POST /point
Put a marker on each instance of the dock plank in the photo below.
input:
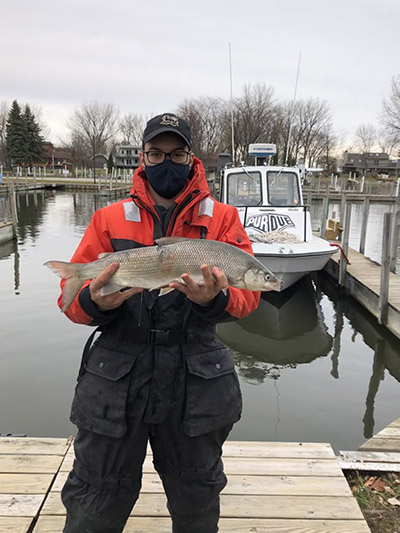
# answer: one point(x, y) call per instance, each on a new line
point(237, 484)
point(15, 524)
point(253, 465)
point(25, 483)
point(292, 450)
point(20, 504)
point(33, 464)
point(34, 446)
point(383, 445)
point(244, 506)
point(52, 524)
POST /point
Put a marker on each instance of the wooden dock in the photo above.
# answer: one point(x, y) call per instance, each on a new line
point(363, 280)
point(381, 453)
point(387, 440)
point(273, 487)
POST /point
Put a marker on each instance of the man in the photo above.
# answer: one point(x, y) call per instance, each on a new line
point(156, 373)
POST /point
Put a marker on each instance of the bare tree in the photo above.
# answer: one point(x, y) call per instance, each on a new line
point(94, 124)
point(391, 106)
point(323, 150)
point(365, 137)
point(205, 116)
point(131, 127)
point(314, 118)
point(389, 141)
point(253, 118)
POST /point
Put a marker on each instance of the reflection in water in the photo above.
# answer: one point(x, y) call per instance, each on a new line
point(287, 329)
point(6, 250)
point(386, 346)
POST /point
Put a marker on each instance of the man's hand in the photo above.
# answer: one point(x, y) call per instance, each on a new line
point(110, 301)
point(214, 282)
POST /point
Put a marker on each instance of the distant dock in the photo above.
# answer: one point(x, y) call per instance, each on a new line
point(103, 185)
point(272, 487)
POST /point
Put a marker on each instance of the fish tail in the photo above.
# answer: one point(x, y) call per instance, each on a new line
point(69, 272)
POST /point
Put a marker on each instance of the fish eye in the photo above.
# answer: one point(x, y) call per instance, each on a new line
point(267, 277)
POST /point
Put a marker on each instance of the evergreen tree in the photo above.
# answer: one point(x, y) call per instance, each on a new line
point(15, 136)
point(34, 145)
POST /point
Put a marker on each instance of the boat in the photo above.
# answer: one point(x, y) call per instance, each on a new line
point(271, 207)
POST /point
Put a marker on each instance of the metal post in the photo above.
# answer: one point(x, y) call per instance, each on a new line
point(385, 270)
point(364, 225)
point(345, 245)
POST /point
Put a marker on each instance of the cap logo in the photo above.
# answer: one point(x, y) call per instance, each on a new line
point(169, 120)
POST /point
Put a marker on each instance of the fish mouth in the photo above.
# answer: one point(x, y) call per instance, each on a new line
point(276, 285)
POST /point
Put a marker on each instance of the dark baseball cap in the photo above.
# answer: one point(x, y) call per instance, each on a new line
point(167, 122)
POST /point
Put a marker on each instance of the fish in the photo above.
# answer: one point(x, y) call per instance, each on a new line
point(154, 267)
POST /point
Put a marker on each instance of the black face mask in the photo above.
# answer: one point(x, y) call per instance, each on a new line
point(167, 178)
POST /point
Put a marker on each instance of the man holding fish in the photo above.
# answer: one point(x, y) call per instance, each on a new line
point(157, 373)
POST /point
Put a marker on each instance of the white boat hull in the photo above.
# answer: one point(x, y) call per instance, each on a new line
point(290, 262)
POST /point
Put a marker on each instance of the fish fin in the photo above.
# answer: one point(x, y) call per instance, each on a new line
point(69, 272)
point(104, 254)
point(171, 240)
point(111, 287)
point(165, 291)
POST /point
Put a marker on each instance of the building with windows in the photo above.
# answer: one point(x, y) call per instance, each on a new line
point(57, 158)
point(369, 163)
point(127, 156)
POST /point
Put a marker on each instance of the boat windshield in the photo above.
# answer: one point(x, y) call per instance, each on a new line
point(283, 188)
point(244, 189)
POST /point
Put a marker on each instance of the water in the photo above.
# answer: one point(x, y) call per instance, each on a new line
point(313, 365)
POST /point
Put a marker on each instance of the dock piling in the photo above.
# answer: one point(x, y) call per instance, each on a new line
point(324, 220)
point(364, 225)
point(385, 269)
point(345, 245)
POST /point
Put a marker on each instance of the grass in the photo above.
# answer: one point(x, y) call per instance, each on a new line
point(378, 495)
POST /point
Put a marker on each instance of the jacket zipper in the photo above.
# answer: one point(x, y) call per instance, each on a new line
point(179, 210)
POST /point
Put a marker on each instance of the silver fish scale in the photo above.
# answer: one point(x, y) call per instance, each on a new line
point(156, 266)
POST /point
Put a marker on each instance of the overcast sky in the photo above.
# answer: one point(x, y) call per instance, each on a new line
point(148, 56)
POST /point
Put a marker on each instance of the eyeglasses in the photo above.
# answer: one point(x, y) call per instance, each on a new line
point(180, 157)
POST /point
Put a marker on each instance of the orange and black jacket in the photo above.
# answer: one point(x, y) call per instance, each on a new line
point(135, 222)
point(146, 339)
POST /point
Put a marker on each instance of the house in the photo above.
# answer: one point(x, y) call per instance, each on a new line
point(100, 161)
point(126, 156)
point(371, 163)
point(57, 157)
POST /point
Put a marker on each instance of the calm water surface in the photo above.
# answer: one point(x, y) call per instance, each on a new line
point(313, 365)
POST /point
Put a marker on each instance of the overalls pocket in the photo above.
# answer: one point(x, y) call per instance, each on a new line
point(99, 404)
point(213, 397)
